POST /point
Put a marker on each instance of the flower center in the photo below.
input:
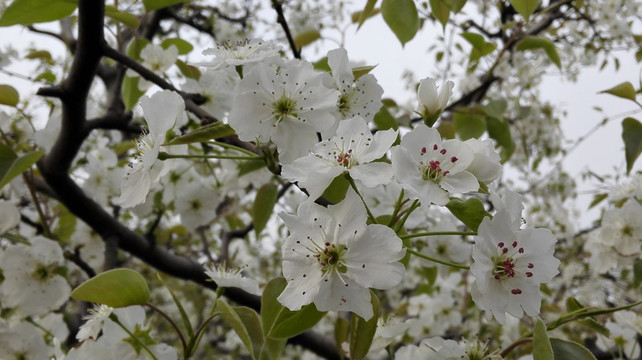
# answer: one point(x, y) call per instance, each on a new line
point(505, 264)
point(439, 164)
point(330, 258)
point(345, 158)
point(283, 108)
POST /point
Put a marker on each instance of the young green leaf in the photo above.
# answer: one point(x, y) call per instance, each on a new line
point(233, 319)
point(568, 350)
point(252, 323)
point(525, 7)
point(402, 18)
point(9, 95)
point(632, 136)
point(263, 206)
point(27, 12)
point(183, 46)
point(366, 12)
point(280, 322)
point(130, 92)
point(537, 42)
point(128, 19)
point(637, 274)
point(440, 11)
point(362, 332)
point(18, 165)
point(624, 90)
point(211, 131)
point(480, 46)
point(469, 123)
point(306, 37)
point(116, 288)
point(542, 349)
point(159, 4)
point(337, 190)
point(471, 212)
point(186, 321)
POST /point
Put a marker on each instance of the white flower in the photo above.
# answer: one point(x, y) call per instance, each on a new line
point(431, 101)
point(217, 87)
point(288, 107)
point(485, 165)
point(196, 203)
point(622, 228)
point(9, 216)
point(332, 257)
point(22, 341)
point(358, 98)
point(161, 110)
point(242, 53)
point(352, 150)
point(94, 323)
point(228, 277)
point(429, 169)
point(510, 202)
point(509, 266)
point(156, 59)
point(31, 277)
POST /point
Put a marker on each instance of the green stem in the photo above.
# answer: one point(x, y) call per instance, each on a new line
point(447, 263)
point(232, 147)
point(36, 202)
point(354, 186)
point(114, 318)
point(165, 156)
point(436, 233)
point(178, 331)
point(398, 206)
point(415, 205)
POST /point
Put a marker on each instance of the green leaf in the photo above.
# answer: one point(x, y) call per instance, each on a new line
point(9, 95)
point(274, 347)
point(135, 47)
point(211, 131)
point(233, 319)
point(184, 317)
point(454, 5)
point(632, 136)
point(402, 18)
point(278, 321)
point(542, 349)
point(597, 198)
point(469, 123)
point(27, 12)
point(252, 323)
point(525, 7)
point(384, 120)
point(362, 332)
point(18, 165)
point(116, 288)
point(188, 71)
point(251, 165)
point(66, 225)
point(440, 11)
point(624, 90)
point(130, 20)
point(263, 206)
point(637, 273)
point(7, 157)
point(567, 350)
point(480, 46)
point(366, 12)
point(306, 37)
point(337, 190)
point(183, 46)
point(341, 331)
point(499, 129)
point(159, 4)
point(359, 71)
point(536, 42)
point(130, 92)
point(496, 108)
point(471, 212)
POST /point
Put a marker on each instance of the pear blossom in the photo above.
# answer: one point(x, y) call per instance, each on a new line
point(432, 100)
point(157, 59)
point(217, 87)
point(331, 257)
point(509, 266)
point(485, 165)
point(429, 169)
point(229, 277)
point(242, 53)
point(32, 280)
point(288, 106)
point(622, 228)
point(9, 216)
point(94, 323)
point(352, 150)
point(162, 111)
point(360, 97)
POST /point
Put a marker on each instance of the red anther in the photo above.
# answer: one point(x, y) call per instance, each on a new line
point(530, 265)
point(529, 274)
point(423, 150)
point(435, 147)
point(453, 159)
point(514, 244)
point(443, 151)
point(516, 291)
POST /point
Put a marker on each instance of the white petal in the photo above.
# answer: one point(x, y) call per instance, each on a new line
point(9, 216)
point(346, 295)
point(380, 145)
point(161, 111)
point(461, 182)
point(373, 174)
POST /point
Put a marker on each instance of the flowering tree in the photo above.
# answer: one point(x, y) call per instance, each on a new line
point(266, 201)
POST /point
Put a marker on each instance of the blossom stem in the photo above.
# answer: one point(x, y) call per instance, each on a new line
point(232, 147)
point(165, 156)
point(447, 263)
point(354, 186)
point(415, 205)
point(178, 331)
point(398, 206)
point(512, 346)
point(198, 335)
point(437, 233)
point(114, 318)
